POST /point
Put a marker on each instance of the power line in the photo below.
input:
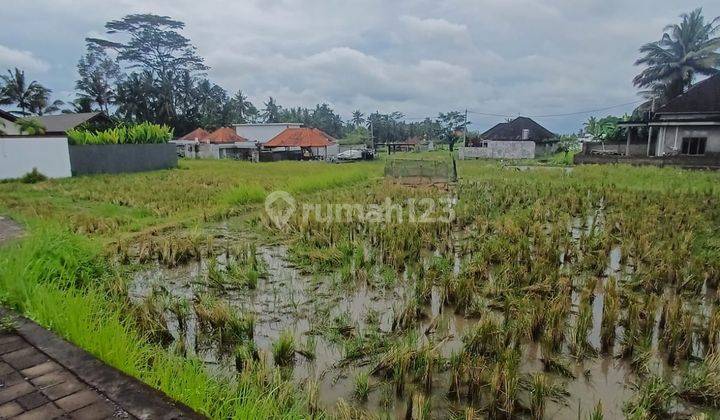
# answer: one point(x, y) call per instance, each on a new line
point(589, 111)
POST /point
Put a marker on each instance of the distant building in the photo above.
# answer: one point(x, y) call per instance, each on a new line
point(685, 132)
point(55, 125)
point(7, 123)
point(61, 123)
point(521, 138)
point(223, 143)
point(262, 132)
point(313, 144)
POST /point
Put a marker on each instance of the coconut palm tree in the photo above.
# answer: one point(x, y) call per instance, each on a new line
point(271, 113)
point(684, 50)
point(40, 101)
point(357, 118)
point(243, 106)
point(17, 91)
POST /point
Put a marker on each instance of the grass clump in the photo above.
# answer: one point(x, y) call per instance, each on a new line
point(362, 386)
point(283, 349)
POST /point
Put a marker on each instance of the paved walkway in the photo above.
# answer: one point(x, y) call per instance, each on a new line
point(34, 386)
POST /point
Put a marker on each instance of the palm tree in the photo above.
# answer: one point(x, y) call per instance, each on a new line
point(357, 118)
point(243, 106)
point(40, 101)
point(591, 126)
point(684, 50)
point(271, 114)
point(17, 91)
point(30, 126)
point(80, 105)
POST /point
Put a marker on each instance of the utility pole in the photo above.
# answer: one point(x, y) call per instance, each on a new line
point(465, 129)
point(650, 115)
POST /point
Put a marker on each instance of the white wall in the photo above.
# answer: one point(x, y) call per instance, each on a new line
point(19, 155)
point(500, 150)
point(261, 133)
point(668, 145)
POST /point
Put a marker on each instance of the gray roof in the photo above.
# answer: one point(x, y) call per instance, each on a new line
point(7, 116)
point(63, 122)
point(513, 130)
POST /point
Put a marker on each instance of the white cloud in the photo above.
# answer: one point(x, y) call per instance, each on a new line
point(434, 27)
point(25, 60)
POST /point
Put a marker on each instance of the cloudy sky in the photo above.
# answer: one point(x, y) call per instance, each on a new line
point(508, 57)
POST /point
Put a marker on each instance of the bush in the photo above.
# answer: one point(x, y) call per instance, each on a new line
point(33, 177)
point(143, 133)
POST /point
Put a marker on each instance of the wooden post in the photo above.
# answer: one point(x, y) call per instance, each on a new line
point(627, 145)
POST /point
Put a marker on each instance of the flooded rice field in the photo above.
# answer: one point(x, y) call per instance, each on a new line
point(534, 314)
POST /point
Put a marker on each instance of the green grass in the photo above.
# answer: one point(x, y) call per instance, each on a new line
point(58, 275)
point(58, 279)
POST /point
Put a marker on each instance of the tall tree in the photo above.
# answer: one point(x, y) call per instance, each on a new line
point(153, 46)
point(357, 118)
point(242, 108)
point(271, 113)
point(40, 101)
point(685, 49)
point(16, 90)
point(451, 122)
point(99, 74)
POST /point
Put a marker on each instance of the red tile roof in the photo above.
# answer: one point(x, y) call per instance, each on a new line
point(301, 137)
point(196, 134)
point(225, 135)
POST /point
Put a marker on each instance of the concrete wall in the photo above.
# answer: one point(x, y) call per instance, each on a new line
point(500, 150)
point(669, 146)
point(120, 158)
point(261, 133)
point(599, 148)
point(711, 161)
point(19, 155)
point(546, 148)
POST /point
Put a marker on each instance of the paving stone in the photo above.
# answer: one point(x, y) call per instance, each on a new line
point(5, 368)
point(41, 369)
point(10, 379)
point(47, 411)
point(53, 378)
point(32, 400)
point(9, 338)
point(10, 409)
point(64, 389)
point(99, 410)
point(24, 358)
point(15, 391)
point(13, 345)
point(78, 400)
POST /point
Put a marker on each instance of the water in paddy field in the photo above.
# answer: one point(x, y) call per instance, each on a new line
point(286, 299)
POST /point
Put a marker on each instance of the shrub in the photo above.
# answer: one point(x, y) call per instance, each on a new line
point(33, 177)
point(143, 133)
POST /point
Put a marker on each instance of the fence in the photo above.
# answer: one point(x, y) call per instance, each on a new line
point(121, 158)
point(19, 155)
point(421, 171)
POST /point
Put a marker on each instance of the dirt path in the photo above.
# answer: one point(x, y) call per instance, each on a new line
point(9, 229)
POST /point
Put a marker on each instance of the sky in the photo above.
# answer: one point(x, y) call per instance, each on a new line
point(504, 57)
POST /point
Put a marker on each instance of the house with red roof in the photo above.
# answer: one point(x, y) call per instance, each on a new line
point(223, 143)
point(313, 144)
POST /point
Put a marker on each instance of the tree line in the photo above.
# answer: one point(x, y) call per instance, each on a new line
point(145, 69)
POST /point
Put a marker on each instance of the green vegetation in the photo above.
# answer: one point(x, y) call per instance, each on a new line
point(143, 133)
point(596, 264)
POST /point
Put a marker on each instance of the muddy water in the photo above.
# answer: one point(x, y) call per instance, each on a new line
point(289, 300)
